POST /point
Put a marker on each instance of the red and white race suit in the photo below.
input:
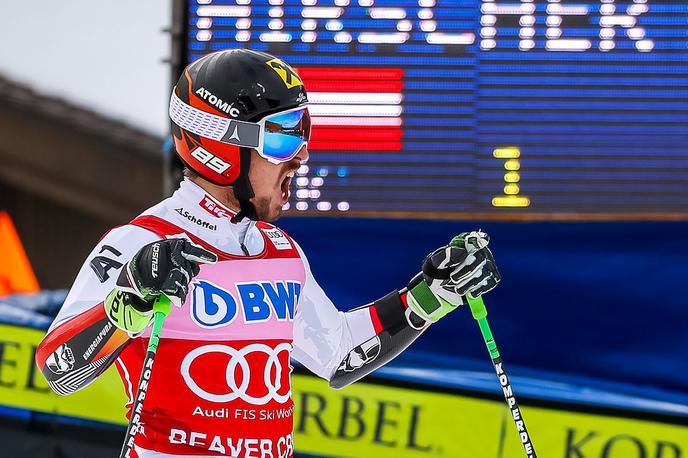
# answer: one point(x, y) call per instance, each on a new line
point(221, 382)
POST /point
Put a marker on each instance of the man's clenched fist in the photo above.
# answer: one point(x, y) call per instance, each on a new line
point(464, 267)
point(162, 267)
point(166, 267)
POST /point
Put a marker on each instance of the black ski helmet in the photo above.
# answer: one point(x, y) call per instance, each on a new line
point(238, 84)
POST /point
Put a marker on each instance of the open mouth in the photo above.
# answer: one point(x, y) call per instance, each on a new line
point(285, 186)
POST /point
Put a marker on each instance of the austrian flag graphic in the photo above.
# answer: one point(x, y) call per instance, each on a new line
point(354, 108)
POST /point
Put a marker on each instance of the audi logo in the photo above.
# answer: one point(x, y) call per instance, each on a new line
point(238, 360)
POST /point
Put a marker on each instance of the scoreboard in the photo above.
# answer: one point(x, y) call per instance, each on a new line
point(495, 108)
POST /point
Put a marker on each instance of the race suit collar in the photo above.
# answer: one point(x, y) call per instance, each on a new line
point(203, 207)
point(203, 199)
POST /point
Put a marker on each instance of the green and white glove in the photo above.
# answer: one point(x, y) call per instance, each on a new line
point(463, 267)
point(128, 312)
point(162, 267)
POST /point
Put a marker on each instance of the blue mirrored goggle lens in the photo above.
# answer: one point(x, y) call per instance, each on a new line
point(286, 133)
point(290, 120)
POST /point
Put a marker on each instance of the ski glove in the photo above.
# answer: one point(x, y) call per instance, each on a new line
point(162, 267)
point(463, 267)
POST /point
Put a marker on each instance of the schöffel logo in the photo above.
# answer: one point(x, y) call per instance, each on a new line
point(193, 219)
point(213, 306)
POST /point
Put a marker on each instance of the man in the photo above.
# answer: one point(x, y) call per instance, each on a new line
point(246, 298)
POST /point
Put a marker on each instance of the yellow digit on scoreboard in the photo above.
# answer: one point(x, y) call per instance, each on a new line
point(512, 177)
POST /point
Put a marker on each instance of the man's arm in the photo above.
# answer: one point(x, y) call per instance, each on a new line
point(79, 349)
point(82, 341)
point(344, 347)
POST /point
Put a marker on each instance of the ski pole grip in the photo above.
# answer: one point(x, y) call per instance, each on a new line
point(477, 306)
point(161, 309)
point(162, 305)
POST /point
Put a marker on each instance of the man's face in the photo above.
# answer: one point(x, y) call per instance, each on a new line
point(271, 183)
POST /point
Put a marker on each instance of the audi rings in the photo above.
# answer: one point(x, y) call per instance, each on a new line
point(238, 359)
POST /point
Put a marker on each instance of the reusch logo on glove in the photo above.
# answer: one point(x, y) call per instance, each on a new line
point(213, 306)
point(155, 255)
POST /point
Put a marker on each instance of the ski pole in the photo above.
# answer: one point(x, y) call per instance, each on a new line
point(161, 309)
point(479, 312)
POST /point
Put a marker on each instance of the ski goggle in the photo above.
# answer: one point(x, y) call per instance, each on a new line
point(278, 137)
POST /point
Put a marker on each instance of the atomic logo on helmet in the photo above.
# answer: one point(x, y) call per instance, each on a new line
point(217, 102)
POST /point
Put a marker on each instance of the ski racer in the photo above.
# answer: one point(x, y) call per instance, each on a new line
point(246, 300)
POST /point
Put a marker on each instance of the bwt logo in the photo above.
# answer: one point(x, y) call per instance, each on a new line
point(213, 306)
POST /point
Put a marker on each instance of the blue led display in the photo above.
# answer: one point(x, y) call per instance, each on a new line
point(479, 107)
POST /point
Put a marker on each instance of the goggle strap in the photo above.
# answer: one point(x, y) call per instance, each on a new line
point(230, 131)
